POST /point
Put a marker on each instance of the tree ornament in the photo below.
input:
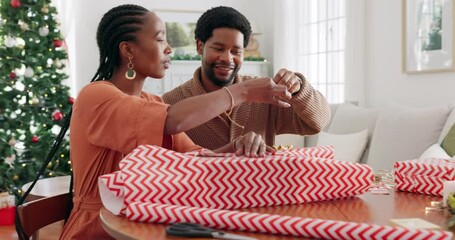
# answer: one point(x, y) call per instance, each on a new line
point(12, 75)
point(43, 31)
point(15, 178)
point(10, 159)
point(70, 100)
point(35, 101)
point(45, 9)
point(49, 165)
point(29, 72)
point(10, 42)
point(58, 63)
point(58, 43)
point(15, 3)
point(24, 26)
point(35, 139)
point(12, 142)
point(57, 115)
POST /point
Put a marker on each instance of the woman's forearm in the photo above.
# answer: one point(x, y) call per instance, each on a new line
point(191, 112)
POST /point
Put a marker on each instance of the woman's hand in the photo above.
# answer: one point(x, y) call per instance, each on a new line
point(251, 145)
point(262, 90)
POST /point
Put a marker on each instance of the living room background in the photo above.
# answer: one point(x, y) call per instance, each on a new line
point(373, 76)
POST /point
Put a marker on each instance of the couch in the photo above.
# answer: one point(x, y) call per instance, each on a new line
point(381, 136)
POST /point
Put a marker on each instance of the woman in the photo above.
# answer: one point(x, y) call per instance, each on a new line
point(112, 115)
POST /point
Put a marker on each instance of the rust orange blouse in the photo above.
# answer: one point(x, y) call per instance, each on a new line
point(106, 125)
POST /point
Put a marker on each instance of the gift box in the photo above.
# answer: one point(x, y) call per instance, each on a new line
point(423, 175)
point(157, 175)
point(159, 185)
point(7, 209)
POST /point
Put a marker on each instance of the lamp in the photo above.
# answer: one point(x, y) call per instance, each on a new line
point(252, 50)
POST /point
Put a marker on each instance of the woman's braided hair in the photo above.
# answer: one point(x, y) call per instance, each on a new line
point(117, 25)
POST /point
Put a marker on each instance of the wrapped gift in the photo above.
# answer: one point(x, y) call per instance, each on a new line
point(159, 185)
point(423, 175)
point(7, 209)
point(157, 175)
point(285, 225)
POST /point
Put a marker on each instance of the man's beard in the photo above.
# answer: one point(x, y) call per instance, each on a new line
point(220, 82)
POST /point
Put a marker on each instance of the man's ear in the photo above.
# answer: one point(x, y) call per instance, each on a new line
point(200, 47)
point(125, 49)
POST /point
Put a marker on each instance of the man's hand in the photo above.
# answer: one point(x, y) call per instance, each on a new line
point(289, 79)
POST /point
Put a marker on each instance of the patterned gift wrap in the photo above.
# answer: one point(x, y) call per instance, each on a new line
point(157, 175)
point(275, 224)
point(423, 175)
point(159, 185)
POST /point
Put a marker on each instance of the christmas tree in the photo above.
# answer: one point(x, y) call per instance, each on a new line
point(33, 96)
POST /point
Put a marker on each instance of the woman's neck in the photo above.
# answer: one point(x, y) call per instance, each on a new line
point(131, 87)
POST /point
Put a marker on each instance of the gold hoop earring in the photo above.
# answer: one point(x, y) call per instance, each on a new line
point(130, 74)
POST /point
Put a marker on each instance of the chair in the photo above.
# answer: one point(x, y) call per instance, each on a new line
point(41, 212)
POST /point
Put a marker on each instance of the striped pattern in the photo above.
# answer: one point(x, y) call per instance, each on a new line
point(276, 224)
point(157, 175)
point(423, 175)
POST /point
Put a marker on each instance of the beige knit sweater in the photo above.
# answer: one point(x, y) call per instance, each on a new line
point(309, 113)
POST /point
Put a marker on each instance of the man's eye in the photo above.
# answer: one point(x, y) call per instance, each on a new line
point(217, 49)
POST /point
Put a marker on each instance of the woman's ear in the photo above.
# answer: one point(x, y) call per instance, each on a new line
point(125, 49)
point(200, 47)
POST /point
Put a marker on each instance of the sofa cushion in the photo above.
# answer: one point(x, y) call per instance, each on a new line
point(347, 147)
point(448, 125)
point(350, 119)
point(435, 151)
point(448, 144)
point(403, 133)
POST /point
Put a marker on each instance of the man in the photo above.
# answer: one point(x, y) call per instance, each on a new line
point(222, 34)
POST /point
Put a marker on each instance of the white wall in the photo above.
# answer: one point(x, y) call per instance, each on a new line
point(379, 79)
point(86, 55)
point(385, 81)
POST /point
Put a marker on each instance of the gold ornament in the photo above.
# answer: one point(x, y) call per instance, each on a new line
point(35, 101)
point(49, 165)
point(15, 177)
point(12, 142)
point(45, 9)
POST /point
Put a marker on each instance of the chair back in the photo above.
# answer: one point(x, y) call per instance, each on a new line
point(41, 212)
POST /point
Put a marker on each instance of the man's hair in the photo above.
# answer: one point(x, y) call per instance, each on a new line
point(222, 17)
point(117, 25)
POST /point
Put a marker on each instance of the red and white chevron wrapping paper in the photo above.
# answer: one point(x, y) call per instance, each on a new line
point(154, 174)
point(276, 224)
point(158, 185)
point(423, 175)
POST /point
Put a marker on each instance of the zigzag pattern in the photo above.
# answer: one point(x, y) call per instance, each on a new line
point(265, 223)
point(423, 175)
point(157, 175)
point(316, 152)
point(114, 182)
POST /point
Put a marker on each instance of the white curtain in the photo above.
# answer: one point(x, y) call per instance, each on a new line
point(285, 35)
point(66, 12)
point(355, 58)
point(286, 40)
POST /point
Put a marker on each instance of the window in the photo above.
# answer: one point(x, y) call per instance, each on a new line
point(321, 47)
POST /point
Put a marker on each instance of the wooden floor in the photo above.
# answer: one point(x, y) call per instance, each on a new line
point(51, 232)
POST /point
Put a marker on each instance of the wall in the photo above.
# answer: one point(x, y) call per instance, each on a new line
point(84, 60)
point(385, 81)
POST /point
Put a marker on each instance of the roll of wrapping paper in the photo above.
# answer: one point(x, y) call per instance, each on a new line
point(275, 224)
